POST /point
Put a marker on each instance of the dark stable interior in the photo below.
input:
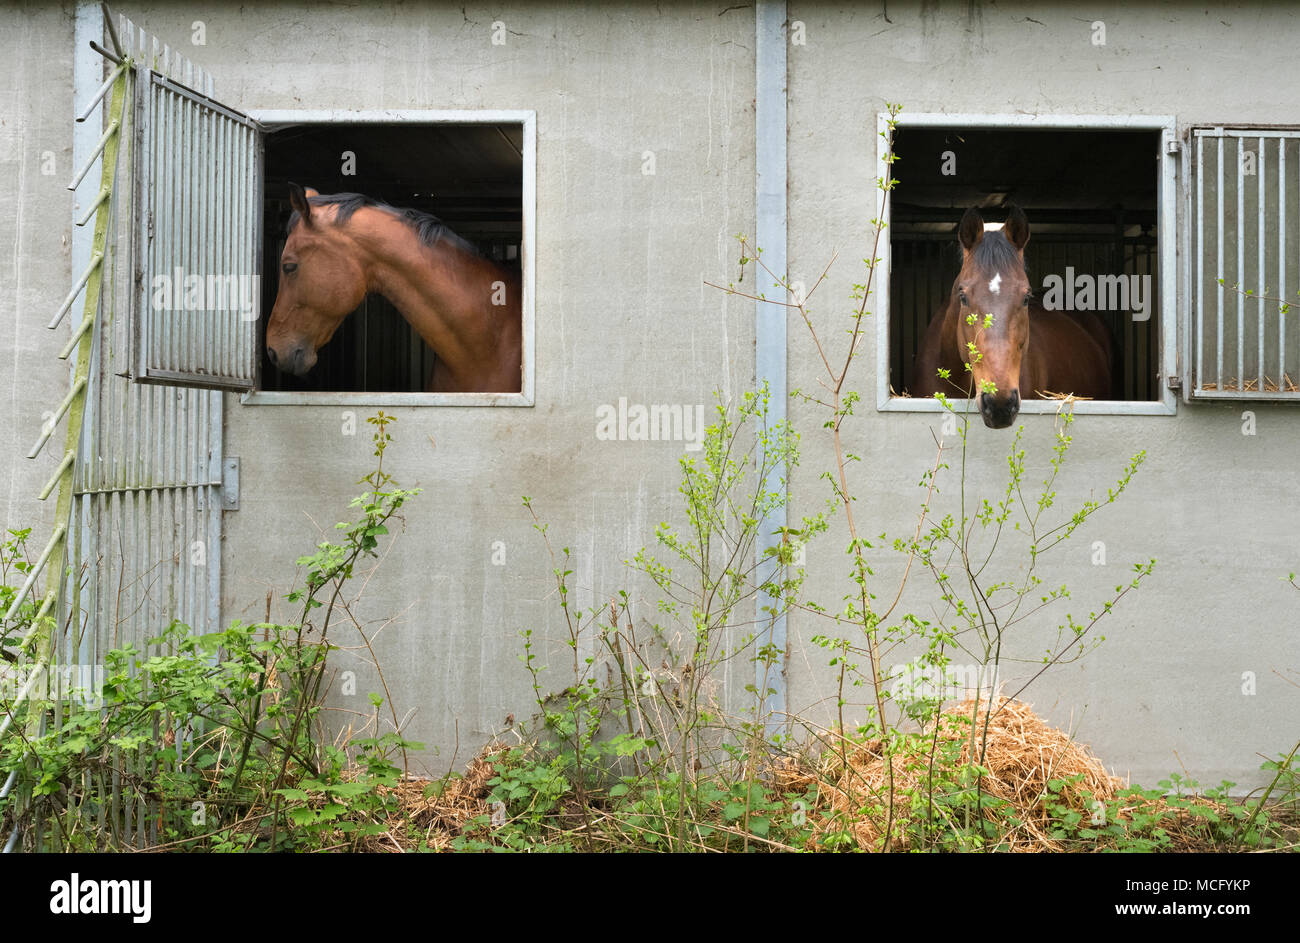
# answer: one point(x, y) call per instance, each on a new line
point(468, 175)
point(1090, 196)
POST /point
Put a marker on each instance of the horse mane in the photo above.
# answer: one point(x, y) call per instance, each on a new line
point(429, 228)
point(994, 253)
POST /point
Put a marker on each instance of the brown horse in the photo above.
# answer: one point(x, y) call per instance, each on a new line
point(1026, 351)
point(466, 307)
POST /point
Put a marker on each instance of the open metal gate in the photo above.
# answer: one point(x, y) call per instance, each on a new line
point(165, 331)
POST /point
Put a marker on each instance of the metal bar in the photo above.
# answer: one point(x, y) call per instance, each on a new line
point(174, 343)
point(162, 195)
point(94, 205)
point(94, 153)
point(136, 488)
point(247, 248)
point(1200, 263)
point(239, 253)
point(770, 131)
point(1241, 266)
point(221, 191)
point(50, 485)
point(95, 261)
point(1248, 130)
point(183, 218)
point(1262, 248)
point(105, 53)
point(195, 328)
point(86, 324)
point(1281, 256)
point(47, 604)
point(1219, 274)
point(112, 31)
point(192, 94)
point(209, 319)
point(39, 565)
point(164, 216)
point(48, 429)
point(21, 696)
point(100, 93)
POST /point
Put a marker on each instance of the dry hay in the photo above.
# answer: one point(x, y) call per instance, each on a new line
point(439, 813)
point(1023, 754)
point(789, 774)
point(1234, 385)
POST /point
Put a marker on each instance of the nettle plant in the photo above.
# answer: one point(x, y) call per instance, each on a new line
point(213, 742)
point(984, 593)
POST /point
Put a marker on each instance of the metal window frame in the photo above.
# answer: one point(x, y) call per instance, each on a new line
point(279, 119)
point(1193, 179)
point(1167, 215)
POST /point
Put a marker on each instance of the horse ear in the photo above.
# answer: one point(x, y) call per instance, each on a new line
point(1017, 228)
point(298, 200)
point(971, 229)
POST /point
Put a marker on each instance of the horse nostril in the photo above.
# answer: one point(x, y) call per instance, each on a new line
point(1014, 401)
point(270, 355)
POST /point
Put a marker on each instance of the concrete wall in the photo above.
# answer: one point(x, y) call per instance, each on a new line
point(36, 165)
point(621, 311)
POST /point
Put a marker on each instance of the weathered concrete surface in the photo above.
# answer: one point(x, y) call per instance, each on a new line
point(35, 249)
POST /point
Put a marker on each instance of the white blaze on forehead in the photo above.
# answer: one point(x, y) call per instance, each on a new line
point(994, 283)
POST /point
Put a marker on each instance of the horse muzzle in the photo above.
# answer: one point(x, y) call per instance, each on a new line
point(1000, 413)
point(298, 360)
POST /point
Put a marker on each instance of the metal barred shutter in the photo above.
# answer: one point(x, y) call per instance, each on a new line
point(1245, 221)
point(198, 179)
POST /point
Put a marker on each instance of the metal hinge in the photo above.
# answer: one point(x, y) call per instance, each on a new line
point(230, 484)
point(1175, 383)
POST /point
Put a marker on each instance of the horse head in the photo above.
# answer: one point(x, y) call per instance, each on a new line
point(321, 283)
point(993, 295)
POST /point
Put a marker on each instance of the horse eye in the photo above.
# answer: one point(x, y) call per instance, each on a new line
point(289, 267)
point(961, 296)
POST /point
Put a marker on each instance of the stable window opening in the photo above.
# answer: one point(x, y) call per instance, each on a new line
point(1099, 210)
point(452, 185)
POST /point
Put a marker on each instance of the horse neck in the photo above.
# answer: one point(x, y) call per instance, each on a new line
point(444, 291)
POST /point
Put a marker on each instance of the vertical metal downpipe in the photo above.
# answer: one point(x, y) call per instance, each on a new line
point(770, 320)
